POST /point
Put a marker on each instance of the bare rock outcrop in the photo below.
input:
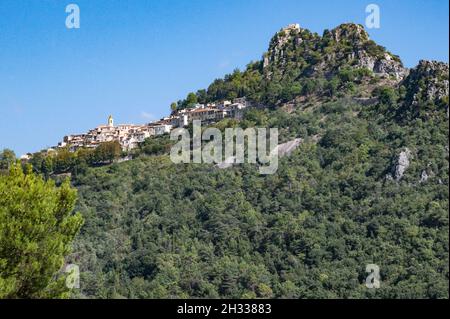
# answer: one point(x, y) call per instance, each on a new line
point(403, 162)
point(423, 177)
point(365, 53)
point(428, 81)
point(277, 47)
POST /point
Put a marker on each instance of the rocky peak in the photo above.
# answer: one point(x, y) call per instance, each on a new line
point(428, 81)
point(347, 45)
point(279, 41)
point(291, 27)
point(348, 32)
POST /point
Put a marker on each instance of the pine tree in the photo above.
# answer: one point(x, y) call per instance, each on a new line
point(36, 231)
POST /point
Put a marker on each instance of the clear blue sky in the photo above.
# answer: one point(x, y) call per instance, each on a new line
point(132, 58)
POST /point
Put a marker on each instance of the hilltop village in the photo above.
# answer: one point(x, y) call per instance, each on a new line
point(130, 135)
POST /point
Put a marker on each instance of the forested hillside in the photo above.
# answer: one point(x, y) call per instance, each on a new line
point(368, 185)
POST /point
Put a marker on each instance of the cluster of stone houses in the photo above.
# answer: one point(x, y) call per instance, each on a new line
point(209, 113)
point(130, 135)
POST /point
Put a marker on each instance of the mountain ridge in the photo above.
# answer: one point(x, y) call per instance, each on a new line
point(301, 66)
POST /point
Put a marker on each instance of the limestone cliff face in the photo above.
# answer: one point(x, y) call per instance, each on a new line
point(347, 45)
point(386, 65)
point(279, 44)
point(403, 163)
point(428, 81)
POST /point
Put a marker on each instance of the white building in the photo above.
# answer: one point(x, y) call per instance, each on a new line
point(161, 129)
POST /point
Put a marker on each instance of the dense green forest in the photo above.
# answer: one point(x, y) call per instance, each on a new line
point(159, 230)
point(343, 199)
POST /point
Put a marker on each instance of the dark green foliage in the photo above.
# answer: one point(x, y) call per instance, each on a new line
point(159, 230)
point(106, 152)
point(374, 49)
point(156, 145)
point(7, 158)
point(237, 84)
point(64, 161)
point(36, 231)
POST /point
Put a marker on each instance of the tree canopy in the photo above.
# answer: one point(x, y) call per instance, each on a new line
point(37, 228)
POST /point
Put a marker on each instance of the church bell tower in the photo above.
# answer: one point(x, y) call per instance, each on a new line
point(110, 121)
